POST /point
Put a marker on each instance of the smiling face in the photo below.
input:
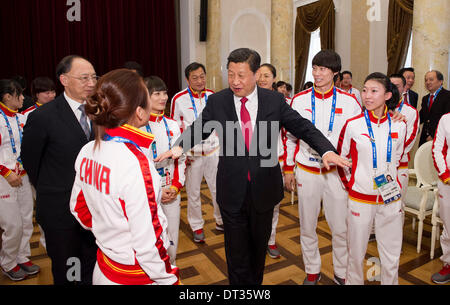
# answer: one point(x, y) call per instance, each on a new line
point(241, 79)
point(410, 79)
point(431, 82)
point(197, 80)
point(323, 78)
point(374, 96)
point(79, 83)
point(266, 78)
point(45, 97)
point(158, 100)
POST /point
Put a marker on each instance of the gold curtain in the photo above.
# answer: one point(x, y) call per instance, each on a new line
point(399, 32)
point(309, 18)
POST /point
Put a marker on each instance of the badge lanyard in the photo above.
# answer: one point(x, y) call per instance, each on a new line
point(333, 109)
point(435, 95)
point(193, 101)
point(11, 135)
point(372, 140)
point(108, 138)
point(149, 130)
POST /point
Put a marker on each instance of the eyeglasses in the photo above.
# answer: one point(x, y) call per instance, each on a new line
point(85, 79)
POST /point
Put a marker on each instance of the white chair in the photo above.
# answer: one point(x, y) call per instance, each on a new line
point(420, 199)
point(436, 221)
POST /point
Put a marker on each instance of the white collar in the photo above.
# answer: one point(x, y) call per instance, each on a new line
point(74, 105)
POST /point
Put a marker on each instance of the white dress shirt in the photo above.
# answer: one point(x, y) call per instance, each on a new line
point(74, 105)
point(251, 105)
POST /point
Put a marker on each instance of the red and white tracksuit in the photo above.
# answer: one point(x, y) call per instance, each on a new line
point(29, 110)
point(365, 204)
point(16, 203)
point(315, 184)
point(355, 92)
point(202, 159)
point(117, 195)
point(281, 156)
point(412, 129)
point(174, 168)
point(441, 159)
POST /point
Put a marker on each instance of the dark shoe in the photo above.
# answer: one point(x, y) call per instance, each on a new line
point(312, 279)
point(15, 274)
point(442, 276)
point(338, 280)
point(30, 268)
point(199, 236)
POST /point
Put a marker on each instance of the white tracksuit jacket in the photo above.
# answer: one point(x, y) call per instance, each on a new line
point(116, 195)
point(441, 159)
point(16, 203)
point(183, 112)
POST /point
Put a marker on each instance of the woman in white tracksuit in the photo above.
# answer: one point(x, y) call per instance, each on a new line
point(117, 189)
point(16, 201)
point(268, 73)
point(375, 145)
point(172, 172)
point(441, 159)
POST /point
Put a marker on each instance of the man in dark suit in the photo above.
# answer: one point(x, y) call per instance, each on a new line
point(249, 182)
point(434, 105)
point(52, 138)
point(410, 95)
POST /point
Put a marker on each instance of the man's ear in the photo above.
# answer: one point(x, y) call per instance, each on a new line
point(64, 80)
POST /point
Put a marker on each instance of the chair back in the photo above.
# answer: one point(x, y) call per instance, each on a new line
point(424, 166)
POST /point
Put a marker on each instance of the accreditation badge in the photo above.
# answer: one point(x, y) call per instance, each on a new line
point(314, 156)
point(388, 188)
point(166, 179)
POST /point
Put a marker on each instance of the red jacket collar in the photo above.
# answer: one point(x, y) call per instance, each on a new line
point(156, 117)
point(374, 118)
point(141, 138)
point(323, 95)
point(9, 112)
point(196, 95)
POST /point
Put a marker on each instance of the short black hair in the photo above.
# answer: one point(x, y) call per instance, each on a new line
point(245, 55)
point(346, 72)
point(408, 69)
point(65, 65)
point(288, 87)
point(132, 65)
point(21, 80)
point(307, 85)
point(281, 83)
point(154, 83)
point(10, 86)
point(192, 67)
point(396, 75)
point(271, 68)
point(439, 75)
point(41, 84)
point(329, 59)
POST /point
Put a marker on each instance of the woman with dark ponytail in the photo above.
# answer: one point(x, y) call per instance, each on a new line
point(117, 189)
point(375, 144)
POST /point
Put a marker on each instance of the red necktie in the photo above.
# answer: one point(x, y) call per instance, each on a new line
point(405, 97)
point(246, 126)
point(431, 102)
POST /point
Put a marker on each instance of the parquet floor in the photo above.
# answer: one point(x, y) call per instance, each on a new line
point(205, 264)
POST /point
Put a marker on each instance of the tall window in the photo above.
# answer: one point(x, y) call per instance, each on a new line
point(408, 61)
point(314, 48)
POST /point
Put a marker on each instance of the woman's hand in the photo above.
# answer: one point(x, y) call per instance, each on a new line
point(14, 180)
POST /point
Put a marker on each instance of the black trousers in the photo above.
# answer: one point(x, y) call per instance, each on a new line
point(67, 247)
point(247, 233)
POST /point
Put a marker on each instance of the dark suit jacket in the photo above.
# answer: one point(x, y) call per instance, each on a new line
point(412, 98)
point(235, 161)
point(430, 118)
point(52, 139)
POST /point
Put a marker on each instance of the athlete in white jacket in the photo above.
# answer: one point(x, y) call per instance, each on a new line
point(203, 159)
point(441, 159)
point(166, 132)
point(16, 201)
point(375, 145)
point(117, 189)
point(328, 108)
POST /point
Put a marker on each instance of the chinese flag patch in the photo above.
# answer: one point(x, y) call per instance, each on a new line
point(395, 135)
point(338, 111)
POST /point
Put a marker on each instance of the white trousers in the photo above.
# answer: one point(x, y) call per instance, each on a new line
point(276, 213)
point(205, 166)
point(403, 177)
point(16, 219)
point(172, 212)
point(312, 190)
point(389, 232)
point(444, 213)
